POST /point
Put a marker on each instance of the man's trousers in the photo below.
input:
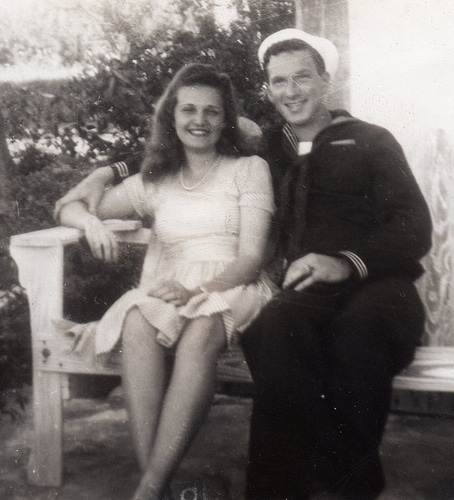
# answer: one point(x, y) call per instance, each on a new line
point(322, 364)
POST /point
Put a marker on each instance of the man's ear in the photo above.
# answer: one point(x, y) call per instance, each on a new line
point(326, 78)
point(267, 92)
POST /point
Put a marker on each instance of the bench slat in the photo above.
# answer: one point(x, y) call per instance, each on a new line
point(431, 370)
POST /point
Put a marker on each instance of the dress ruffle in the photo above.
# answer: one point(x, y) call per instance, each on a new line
point(238, 307)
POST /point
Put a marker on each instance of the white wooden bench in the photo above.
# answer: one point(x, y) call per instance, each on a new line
point(431, 370)
point(40, 259)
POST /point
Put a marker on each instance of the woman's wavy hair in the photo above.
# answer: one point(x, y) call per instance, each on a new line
point(164, 151)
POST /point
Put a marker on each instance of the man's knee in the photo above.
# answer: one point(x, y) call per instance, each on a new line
point(389, 301)
point(380, 326)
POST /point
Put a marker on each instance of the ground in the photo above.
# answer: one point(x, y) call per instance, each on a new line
point(418, 454)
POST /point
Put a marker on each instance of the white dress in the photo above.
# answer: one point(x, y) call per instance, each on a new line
point(196, 235)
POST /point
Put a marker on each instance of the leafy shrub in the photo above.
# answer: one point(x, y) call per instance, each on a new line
point(35, 194)
point(15, 345)
point(33, 160)
point(91, 285)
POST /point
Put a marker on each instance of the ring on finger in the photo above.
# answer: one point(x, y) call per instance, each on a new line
point(309, 269)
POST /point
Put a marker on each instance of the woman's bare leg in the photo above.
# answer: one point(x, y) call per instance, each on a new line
point(144, 381)
point(186, 404)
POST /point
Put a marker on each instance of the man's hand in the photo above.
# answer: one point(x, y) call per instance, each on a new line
point(90, 191)
point(315, 268)
point(171, 292)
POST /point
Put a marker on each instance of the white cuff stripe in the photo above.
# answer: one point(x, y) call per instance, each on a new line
point(122, 169)
point(357, 262)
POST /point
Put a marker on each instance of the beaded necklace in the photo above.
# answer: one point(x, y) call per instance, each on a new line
point(205, 175)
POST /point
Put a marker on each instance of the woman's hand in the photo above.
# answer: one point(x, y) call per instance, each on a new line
point(171, 292)
point(101, 240)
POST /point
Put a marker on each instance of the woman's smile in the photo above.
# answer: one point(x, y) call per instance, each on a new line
point(199, 131)
point(199, 117)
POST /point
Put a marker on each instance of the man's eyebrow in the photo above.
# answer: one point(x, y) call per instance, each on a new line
point(277, 77)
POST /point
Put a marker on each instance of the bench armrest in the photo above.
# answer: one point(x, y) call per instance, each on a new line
point(39, 256)
point(126, 230)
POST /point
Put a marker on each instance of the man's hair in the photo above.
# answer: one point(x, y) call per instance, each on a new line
point(293, 45)
point(164, 151)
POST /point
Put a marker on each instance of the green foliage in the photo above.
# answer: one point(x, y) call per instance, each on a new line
point(91, 286)
point(33, 160)
point(267, 17)
point(15, 346)
point(35, 194)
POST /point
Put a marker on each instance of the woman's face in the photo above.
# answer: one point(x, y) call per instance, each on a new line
point(199, 117)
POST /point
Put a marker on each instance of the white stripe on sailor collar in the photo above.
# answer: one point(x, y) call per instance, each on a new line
point(301, 148)
point(291, 137)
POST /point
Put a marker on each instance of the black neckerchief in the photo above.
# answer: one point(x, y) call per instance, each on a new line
point(294, 189)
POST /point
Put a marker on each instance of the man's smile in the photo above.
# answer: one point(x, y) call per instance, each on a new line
point(295, 105)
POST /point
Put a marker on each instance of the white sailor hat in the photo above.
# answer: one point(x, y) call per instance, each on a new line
point(323, 46)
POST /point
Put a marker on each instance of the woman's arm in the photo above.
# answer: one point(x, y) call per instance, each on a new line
point(115, 204)
point(90, 190)
point(243, 270)
point(246, 268)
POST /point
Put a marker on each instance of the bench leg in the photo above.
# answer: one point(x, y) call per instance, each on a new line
point(45, 464)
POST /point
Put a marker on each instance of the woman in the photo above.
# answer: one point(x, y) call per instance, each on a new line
point(201, 282)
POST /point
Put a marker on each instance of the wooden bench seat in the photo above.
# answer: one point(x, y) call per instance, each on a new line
point(431, 370)
point(40, 259)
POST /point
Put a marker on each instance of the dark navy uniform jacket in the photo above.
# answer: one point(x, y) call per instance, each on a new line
point(362, 200)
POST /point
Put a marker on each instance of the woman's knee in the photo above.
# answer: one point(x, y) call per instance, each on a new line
point(136, 329)
point(131, 323)
point(204, 334)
